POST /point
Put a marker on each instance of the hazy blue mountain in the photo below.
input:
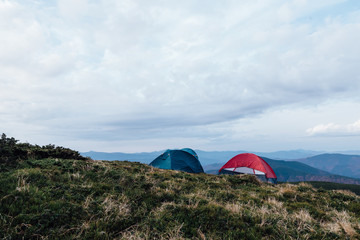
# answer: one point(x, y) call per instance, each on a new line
point(224, 156)
point(288, 155)
point(216, 156)
point(346, 165)
point(145, 157)
point(205, 157)
point(350, 152)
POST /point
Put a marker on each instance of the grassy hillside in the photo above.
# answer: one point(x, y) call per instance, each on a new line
point(66, 199)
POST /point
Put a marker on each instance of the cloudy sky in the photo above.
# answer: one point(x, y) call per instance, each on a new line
point(140, 75)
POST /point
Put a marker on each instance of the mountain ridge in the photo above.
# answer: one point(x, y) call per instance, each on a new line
point(206, 157)
point(337, 163)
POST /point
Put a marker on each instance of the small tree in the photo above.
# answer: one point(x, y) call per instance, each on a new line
point(5, 141)
point(7, 146)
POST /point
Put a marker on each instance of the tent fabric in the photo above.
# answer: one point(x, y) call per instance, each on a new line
point(184, 160)
point(192, 152)
point(248, 163)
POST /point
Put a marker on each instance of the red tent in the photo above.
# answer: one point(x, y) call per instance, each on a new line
point(248, 163)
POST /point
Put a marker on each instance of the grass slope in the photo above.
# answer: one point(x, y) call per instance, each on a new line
point(67, 199)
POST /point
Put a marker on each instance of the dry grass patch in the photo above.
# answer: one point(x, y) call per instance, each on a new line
point(134, 233)
point(174, 233)
point(333, 227)
point(88, 167)
point(22, 185)
point(303, 215)
point(342, 221)
point(103, 164)
point(253, 195)
point(87, 185)
point(158, 191)
point(346, 193)
point(287, 188)
point(304, 222)
point(87, 202)
point(264, 210)
point(202, 193)
point(193, 202)
point(304, 184)
point(201, 234)
point(75, 176)
point(236, 208)
point(171, 186)
point(157, 212)
point(120, 207)
point(275, 203)
point(84, 226)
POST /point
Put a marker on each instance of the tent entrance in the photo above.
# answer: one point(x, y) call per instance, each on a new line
point(245, 170)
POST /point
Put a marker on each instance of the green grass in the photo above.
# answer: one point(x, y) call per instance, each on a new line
point(67, 199)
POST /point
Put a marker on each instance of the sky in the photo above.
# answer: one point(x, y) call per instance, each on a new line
point(139, 75)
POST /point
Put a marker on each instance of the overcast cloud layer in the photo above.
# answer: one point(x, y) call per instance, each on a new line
point(136, 75)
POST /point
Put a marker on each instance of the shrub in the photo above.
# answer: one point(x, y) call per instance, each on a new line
point(11, 152)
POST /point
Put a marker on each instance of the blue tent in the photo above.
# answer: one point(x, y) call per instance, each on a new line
point(184, 160)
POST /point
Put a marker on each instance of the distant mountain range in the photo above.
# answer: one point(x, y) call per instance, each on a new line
point(145, 157)
point(297, 165)
point(204, 156)
point(346, 165)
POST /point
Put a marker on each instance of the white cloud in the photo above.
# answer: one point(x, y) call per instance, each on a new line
point(331, 129)
point(354, 127)
point(324, 129)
